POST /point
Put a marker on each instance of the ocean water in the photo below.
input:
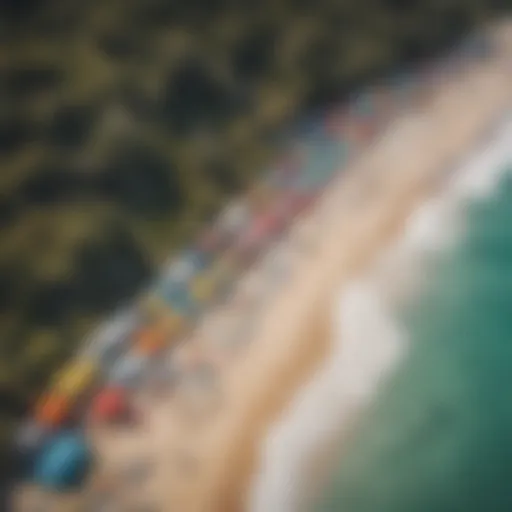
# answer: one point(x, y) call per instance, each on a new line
point(413, 402)
point(439, 437)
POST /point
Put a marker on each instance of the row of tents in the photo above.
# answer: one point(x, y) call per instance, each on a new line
point(117, 357)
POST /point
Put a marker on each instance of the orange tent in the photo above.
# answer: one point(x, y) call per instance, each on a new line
point(149, 341)
point(53, 410)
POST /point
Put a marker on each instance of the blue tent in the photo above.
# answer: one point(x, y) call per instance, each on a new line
point(178, 298)
point(64, 463)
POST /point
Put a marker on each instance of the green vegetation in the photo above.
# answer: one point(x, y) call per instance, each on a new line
point(124, 124)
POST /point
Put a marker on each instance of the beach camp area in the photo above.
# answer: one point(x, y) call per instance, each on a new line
point(167, 406)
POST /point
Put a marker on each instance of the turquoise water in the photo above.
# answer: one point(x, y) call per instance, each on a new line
point(440, 437)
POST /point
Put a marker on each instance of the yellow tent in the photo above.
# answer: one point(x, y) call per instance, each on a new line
point(75, 378)
point(204, 286)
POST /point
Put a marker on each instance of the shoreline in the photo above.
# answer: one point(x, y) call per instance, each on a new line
point(289, 481)
point(233, 460)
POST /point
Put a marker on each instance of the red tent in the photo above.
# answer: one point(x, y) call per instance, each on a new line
point(110, 405)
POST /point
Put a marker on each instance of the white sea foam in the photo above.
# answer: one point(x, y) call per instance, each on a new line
point(369, 341)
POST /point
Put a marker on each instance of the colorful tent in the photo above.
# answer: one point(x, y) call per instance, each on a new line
point(110, 405)
point(64, 463)
point(53, 410)
point(178, 297)
point(76, 377)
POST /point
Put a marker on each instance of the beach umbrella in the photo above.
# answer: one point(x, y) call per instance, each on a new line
point(64, 463)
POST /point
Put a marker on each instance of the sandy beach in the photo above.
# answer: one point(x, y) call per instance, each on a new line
point(370, 342)
point(208, 464)
point(294, 338)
